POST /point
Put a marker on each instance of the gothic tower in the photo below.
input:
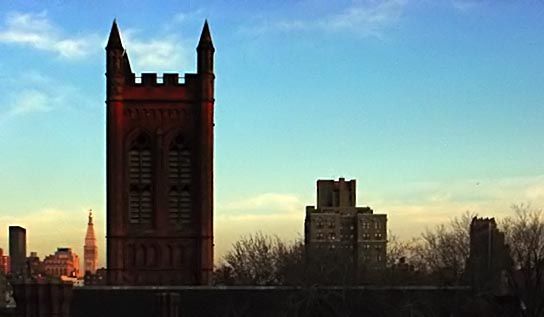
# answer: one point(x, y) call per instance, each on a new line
point(90, 251)
point(159, 170)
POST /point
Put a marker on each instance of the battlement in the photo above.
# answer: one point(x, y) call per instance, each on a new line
point(152, 79)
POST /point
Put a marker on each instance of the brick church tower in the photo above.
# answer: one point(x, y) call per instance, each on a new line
point(159, 171)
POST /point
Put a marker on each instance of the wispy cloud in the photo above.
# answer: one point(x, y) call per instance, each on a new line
point(272, 213)
point(267, 203)
point(418, 205)
point(37, 31)
point(33, 93)
point(29, 101)
point(365, 18)
point(188, 16)
point(467, 5)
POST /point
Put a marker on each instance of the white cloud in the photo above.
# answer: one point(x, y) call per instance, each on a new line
point(157, 54)
point(37, 31)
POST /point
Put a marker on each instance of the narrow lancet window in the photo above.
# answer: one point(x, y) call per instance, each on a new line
point(140, 200)
point(179, 175)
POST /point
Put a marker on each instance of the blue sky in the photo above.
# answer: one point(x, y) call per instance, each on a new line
point(435, 107)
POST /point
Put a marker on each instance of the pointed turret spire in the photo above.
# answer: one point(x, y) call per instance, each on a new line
point(115, 38)
point(205, 38)
point(90, 217)
point(205, 51)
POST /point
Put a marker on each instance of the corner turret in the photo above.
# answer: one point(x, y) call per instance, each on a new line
point(205, 51)
point(117, 63)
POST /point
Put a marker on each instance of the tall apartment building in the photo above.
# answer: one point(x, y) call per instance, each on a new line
point(17, 249)
point(63, 263)
point(355, 237)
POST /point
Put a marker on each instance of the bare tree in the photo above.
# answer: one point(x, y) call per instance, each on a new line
point(524, 233)
point(403, 266)
point(259, 259)
point(443, 251)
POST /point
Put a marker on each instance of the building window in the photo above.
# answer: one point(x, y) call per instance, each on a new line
point(378, 235)
point(140, 174)
point(179, 175)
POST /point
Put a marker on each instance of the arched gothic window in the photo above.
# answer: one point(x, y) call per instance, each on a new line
point(140, 172)
point(179, 175)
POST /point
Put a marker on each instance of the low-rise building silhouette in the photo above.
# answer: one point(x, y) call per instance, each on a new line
point(63, 263)
point(34, 265)
point(4, 262)
point(96, 278)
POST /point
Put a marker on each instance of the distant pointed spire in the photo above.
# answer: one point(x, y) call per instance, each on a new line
point(205, 37)
point(89, 249)
point(115, 38)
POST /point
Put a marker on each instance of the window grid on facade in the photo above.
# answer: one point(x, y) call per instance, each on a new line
point(140, 174)
point(179, 175)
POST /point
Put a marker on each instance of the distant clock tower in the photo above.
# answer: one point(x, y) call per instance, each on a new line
point(90, 250)
point(159, 170)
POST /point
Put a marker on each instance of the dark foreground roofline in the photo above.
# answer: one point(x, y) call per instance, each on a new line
point(267, 288)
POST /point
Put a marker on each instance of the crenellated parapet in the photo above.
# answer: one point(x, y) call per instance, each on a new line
point(154, 79)
point(123, 84)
